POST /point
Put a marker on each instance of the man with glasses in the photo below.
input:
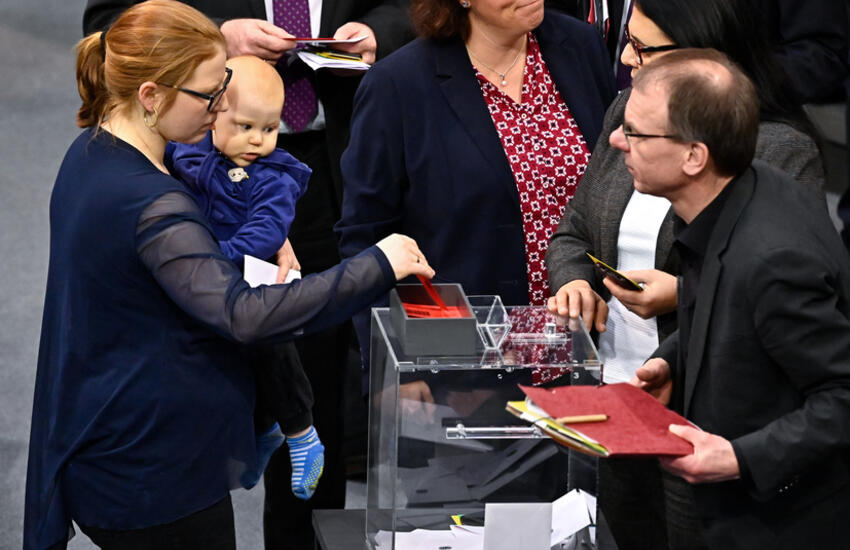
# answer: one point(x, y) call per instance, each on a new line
point(761, 361)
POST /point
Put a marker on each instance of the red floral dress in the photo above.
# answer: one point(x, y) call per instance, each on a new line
point(547, 155)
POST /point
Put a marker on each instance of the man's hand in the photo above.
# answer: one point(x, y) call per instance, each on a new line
point(366, 47)
point(286, 260)
point(659, 293)
point(256, 37)
point(575, 299)
point(654, 377)
point(713, 459)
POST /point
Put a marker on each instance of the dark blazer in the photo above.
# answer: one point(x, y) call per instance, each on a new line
point(768, 367)
point(592, 218)
point(425, 158)
point(387, 18)
point(810, 41)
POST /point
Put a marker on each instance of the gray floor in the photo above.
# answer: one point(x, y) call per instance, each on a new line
point(38, 102)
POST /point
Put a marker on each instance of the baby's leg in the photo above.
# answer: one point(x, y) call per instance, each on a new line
point(286, 392)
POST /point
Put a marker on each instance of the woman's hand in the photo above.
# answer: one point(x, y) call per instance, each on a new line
point(575, 299)
point(404, 256)
point(286, 260)
point(659, 293)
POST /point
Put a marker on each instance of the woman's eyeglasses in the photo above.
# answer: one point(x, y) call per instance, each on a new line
point(214, 98)
point(640, 49)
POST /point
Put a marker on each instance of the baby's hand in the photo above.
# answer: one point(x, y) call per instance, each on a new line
point(286, 260)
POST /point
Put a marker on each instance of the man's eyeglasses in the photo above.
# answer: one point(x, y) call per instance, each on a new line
point(630, 135)
point(640, 49)
point(214, 98)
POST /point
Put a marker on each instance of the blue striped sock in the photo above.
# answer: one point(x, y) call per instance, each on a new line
point(307, 455)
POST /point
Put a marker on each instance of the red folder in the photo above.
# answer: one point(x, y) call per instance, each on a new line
point(637, 424)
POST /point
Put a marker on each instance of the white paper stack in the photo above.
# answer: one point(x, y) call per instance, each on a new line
point(318, 62)
point(571, 513)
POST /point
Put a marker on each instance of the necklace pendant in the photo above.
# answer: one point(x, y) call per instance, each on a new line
point(504, 82)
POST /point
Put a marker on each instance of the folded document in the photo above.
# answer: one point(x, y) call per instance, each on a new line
point(636, 424)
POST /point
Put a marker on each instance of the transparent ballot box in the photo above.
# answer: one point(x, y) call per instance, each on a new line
point(440, 440)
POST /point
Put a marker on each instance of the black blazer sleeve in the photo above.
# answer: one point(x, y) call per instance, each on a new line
point(99, 14)
point(391, 25)
point(810, 40)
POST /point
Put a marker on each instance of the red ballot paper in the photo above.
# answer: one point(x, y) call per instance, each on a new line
point(420, 311)
point(636, 425)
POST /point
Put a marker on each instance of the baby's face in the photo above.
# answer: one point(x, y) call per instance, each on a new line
point(248, 130)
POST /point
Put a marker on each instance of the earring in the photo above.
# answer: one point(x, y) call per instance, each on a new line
point(151, 122)
point(464, 4)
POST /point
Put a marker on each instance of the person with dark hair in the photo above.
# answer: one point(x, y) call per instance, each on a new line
point(473, 138)
point(632, 231)
point(143, 407)
point(760, 363)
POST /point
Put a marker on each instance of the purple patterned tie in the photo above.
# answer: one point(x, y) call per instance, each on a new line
point(299, 108)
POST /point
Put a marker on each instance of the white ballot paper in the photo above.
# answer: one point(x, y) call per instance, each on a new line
point(562, 519)
point(511, 525)
point(259, 272)
point(318, 62)
point(572, 513)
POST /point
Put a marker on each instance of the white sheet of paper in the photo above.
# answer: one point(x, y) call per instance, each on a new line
point(318, 62)
point(509, 525)
point(570, 513)
point(424, 539)
point(260, 272)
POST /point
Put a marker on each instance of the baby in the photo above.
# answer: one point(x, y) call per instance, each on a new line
point(247, 188)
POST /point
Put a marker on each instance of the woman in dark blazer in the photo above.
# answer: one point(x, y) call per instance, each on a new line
point(426, 157)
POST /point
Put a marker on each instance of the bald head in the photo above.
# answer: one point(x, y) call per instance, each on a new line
point(248, 129)
point(709, 100)
point(254, 81)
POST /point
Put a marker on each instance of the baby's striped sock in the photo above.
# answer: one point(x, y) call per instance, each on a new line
point(307, 455)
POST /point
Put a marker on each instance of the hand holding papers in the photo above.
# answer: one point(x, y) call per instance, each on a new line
point(636, 425)
point(258, 272)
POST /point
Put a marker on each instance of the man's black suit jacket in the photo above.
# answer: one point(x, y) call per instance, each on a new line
point(387, 18)
point(768, 367)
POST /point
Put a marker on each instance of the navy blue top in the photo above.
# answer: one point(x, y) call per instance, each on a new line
point(251, 216)
point(143, 410)
point(426, 160)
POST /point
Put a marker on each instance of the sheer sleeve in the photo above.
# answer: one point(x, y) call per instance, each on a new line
point(175, 243)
